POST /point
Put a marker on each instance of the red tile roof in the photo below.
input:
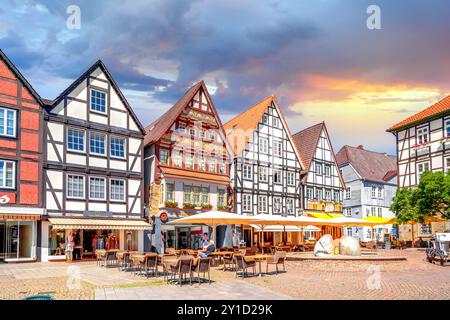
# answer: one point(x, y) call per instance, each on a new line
point(436, 109)
point(370, 165)
point(155, 130)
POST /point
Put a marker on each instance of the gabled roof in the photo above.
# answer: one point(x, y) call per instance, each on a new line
point(156, 129)
point(306, 143)
point(19, 75)
point(241, 127)
point(50, 105)
point(442, 106)
point(370, 165)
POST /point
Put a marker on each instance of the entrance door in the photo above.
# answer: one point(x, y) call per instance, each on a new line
point(2, 240)
point(12, 239)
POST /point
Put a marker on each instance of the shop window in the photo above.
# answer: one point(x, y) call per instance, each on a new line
point(57, 242)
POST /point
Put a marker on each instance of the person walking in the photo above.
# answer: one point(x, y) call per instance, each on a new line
point(69, 248)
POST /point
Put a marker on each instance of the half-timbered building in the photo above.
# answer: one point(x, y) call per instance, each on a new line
point(423, 144)
point(186, 168)
point(93, 169)
point(21, 122)
point(266, 168)
point(321, 179)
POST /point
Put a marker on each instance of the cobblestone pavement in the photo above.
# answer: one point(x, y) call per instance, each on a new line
point(411, 279)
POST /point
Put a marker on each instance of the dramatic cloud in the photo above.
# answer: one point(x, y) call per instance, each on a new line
point(317, 56)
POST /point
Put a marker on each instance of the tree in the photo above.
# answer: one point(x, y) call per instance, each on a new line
point(430, 199)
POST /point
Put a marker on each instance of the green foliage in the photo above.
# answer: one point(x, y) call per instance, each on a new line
point(171, 204)
point(188, 205)
point(430, 199)
point(222, 207)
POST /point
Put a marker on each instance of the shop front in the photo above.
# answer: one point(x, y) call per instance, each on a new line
point(18, 235)
point(90, 235)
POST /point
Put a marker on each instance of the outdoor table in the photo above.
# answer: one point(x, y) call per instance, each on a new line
point(258, 258)
point(219, 254)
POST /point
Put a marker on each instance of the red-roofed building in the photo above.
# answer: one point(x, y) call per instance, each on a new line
point(186, 168)
point(423, 144)
point(21, 122)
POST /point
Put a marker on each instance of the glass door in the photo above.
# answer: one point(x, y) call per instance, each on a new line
point(2, 240)
point(12, 239)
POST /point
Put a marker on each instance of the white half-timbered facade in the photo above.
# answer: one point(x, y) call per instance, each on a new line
point(423, 144)
point(322, 180)
point(93, 165)
point(266, 168)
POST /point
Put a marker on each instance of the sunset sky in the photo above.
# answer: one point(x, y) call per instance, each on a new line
point(317, 56)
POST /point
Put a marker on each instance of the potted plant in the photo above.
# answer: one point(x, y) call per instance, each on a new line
point(222, 207)
point(206, 206)
point(188, 205)
point(171, 204)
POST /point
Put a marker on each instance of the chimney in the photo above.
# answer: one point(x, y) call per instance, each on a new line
point(360, 147)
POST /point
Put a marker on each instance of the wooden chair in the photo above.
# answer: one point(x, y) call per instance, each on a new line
point(182, 268)
point(203, 266)
point(110, 259)
point(228, 260)
point(151, 264)
point(278, 258)
point(165, 266)
point(243, 265)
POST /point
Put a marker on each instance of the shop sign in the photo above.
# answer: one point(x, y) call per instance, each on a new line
point(103, 214)
point(4, 199)
point(164, 217)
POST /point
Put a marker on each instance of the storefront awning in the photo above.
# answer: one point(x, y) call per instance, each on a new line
point(105, 224)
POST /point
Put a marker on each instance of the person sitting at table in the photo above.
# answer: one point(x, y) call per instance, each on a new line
point(210, 248)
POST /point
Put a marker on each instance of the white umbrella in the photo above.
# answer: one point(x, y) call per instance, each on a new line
point(215, 218)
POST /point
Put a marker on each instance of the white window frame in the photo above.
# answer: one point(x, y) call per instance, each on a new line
point(105, 142)
point(318, 168)
point(3, 182)
point(275, 122)
point(5, 123)
point(124, 147)
point(280, 174)
point(373, 192)
point(447, 129)
point(67, 186)
point(167, 158)
point(379, 212)
point(347, 212)
point(246, 202)
point(328, 195)
point(261, 175)
point(106, 101)
point(447, 164)
point(246, 174)
point(181, 128)
point(262, 204)
point(348, 193)
point(327, 170)
point(104, 187)
point(277, 148)
point(277, 201)
point(263, 145)
point(189, 157)
point(309, 193)
point(423, 165)
point(192, 132)
point(265, 119)
point(290, 205)
point(84, 140)
point(177, 158)
point(290, 178)
point(380, 192)
point(422, 135)
point(124, 190)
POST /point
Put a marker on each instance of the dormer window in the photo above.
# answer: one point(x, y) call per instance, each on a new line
point(422, 135)
point(98, 101)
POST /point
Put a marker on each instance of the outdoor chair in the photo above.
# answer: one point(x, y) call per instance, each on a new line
point(243, 265)
point(203, 266)
point(110, 259)
point(182, 268)
point(151, 264)
point(126, 262)
point(165, 266)
point(228, 261)
point(278, 258)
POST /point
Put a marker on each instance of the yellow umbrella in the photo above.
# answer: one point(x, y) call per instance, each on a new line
point(324, 215)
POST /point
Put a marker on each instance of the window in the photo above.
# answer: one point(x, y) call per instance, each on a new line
point(188, 161)
point(380, 212)
point(336, 196)
point(170, 192)
point(97, 188)
point(97, 143)
point(212, 165)
point(373, 212)
point(247, 172)
point(163, 156)
point(447, 128)
point(177, 158)
point(277, 205)
point(277, 148)
point(447, 164)
point(349, 231)
point(263, 174)
point(262, 204)
point(380, 192)
point(192, 132)
point(75, 186)
point(275, 122)
point(201, 163)
point(291, 179)
point(117, 190)
point(246, 202)
point(328, 195)
point(212, 135)
point(309, 193)
point(327, 171)
point(425, 229)
point(318, 168)
point(290, 205)
point(222, 197)
point(374, 192)
point(348, 212)
point(318, 194)
point(7, 174)
point(205, 195)
point(263, 145)
point(187, 194)
point(265, 119)
point(277, 176)
point(8, 122)
point(181, 128)
point(75, 140)
point(422, 135)
point(348, 193)
point(98, 101)
point(422, 167)
point(202, 134)
point(117, 147)
point(222, 167)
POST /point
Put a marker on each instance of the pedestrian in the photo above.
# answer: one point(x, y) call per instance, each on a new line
point(69, 248)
